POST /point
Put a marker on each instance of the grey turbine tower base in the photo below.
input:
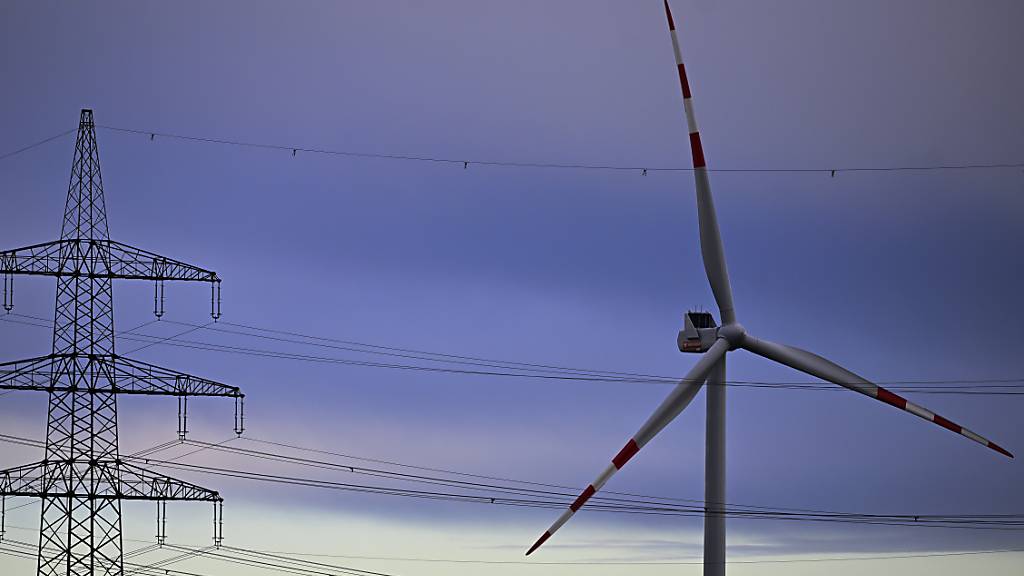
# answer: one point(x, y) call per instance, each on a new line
point(701, 336)
point(82, 478)
point(714, 473)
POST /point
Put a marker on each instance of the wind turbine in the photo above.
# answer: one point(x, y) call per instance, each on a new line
point(701, 335)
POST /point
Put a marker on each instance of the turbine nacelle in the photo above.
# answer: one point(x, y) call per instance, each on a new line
point(700, 332)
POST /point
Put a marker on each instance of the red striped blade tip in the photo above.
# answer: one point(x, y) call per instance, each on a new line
point(999, 449)
point(544, 537)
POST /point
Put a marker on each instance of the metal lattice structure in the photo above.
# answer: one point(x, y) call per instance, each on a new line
point(82, 478)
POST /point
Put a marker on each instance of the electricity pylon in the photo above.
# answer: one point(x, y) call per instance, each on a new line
point(82, 478)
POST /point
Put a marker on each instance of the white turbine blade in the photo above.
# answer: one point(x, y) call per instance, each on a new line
point(710, 239)
point(819, 367)
point(676, 401)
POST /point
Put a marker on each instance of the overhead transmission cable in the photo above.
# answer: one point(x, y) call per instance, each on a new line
point(196, 551)
point(532, 497)
point(660, 563)
point(36, 144)
point(276, 560)
point(635, 498)
point(982, 386)
point(465, 162)
point(282, 557)
point(1014, 523)
point(548, 368)
point(517, 496)
point(973, 388)
point(639, 499)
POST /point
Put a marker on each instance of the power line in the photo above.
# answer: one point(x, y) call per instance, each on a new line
point(479, 361)
point(947, 521)
point(643, 505)
point(465, 163)
point(20, 550)
point(264, 353)
point(364, 348)
point(173, 337)
point(513, 497)
point(290, 557)
point(295, 565)
point(195, 551)
point(642, 498)
point(466, 474)
point(634, 503)
point(515, 365)
point(39, 143)
point(233, 555)
point(984, 387)
point(663, 563)
point(397, 475)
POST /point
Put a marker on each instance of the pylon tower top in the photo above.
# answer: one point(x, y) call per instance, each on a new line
point(85, 214)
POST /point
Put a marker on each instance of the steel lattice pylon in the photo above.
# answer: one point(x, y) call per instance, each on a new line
point(83, 478)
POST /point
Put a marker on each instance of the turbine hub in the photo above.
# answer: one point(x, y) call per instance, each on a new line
point(733, 333)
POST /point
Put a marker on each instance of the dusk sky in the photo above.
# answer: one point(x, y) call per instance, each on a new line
point(897, 275)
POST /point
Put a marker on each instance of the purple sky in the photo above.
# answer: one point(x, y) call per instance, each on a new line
point(896, 275)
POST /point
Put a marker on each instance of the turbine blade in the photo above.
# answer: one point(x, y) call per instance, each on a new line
point(819, 367)
point(676, 401)
point(710, 239)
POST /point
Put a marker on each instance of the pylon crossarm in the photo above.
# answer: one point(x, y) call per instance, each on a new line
point(138, 483)
point(37, 259)
point(27, 480)
point(115, 480)
point(136, 377)
point(109, 259)
point(121, 376)
point(128, 262)
point(31, 374)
